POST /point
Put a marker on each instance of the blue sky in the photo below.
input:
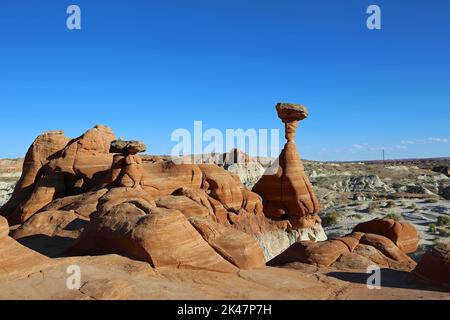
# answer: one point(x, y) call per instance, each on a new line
point(146, 68)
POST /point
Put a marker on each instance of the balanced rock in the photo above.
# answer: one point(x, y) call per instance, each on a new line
point(288, 192)
point(127, 147)
point(403, 234)
point(291, 112)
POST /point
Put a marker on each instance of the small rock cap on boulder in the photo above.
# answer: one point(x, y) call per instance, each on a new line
point(289, 112)
point(127, 146)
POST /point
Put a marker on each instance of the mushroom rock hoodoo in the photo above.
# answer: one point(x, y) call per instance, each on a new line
point(287, 192)
point(128, 162)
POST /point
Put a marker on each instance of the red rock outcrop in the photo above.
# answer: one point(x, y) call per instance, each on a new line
point(354, 250)
point(379, 242)
point(51, 223)
point(165, 237)
point(288, 192)
point(434, 266)
point(56, 166)
point(136, 208)
point(130, 171)
point(235, 246)
point(39, 154)
point(403, 234)
point(83, 204)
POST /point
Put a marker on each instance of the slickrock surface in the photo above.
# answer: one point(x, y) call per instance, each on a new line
point(29, 275)
point(117, 277)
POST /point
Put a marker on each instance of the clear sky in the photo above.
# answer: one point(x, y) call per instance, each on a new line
point(146, 68)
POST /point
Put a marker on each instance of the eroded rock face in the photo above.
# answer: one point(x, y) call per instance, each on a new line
point(56, 166)
point(52, 223)
point(356, 250)
point(177, 215)
point(43, 148)
point(237, 247)
point(403, 234)
point(288, 192)
point(165, 237)
point(434, 266)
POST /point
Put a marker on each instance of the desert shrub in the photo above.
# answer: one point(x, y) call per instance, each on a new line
point(412, 206)
point(356, 216)
point(432, 228)
point(331, 219)
point(444, 233)
point(394, 216)
point(443, 221)
point(371, 207)
point(390, 204)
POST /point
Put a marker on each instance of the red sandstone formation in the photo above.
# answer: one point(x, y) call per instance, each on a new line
point(434, 266)
point(56, 166)
point(135, 208)
point(354, 251)
point(403, 234)
point(97, 192)
point(288, 193)
point(130, 172)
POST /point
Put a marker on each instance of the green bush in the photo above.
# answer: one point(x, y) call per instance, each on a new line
point(390, 204)
point(330, 219)
point(443, 221)
point(394, 216)
point(432, 228)
point(356, 216)
point(371, 207)
point(444, 233)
